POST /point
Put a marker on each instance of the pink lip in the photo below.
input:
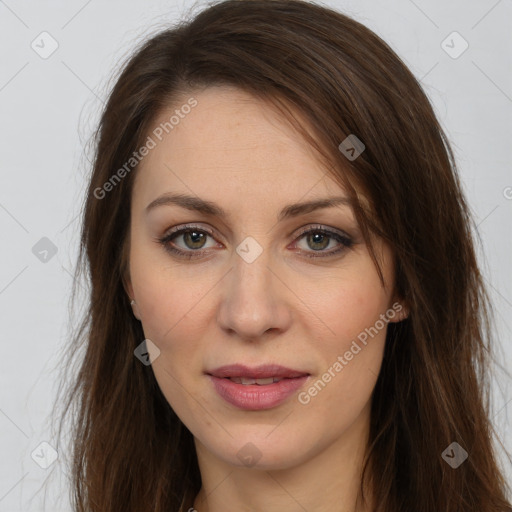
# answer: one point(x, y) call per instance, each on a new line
point(253, 397)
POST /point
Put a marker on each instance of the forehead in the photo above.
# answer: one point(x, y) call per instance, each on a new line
point(230, 144)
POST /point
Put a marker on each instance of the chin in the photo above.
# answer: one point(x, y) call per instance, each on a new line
point(262, 451)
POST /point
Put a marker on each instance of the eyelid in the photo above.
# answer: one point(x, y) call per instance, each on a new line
point(321, 227)
point(183, 227)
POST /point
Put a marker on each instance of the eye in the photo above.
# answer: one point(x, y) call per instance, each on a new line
point(317, 239)
point(190, 241)
point(187, 241)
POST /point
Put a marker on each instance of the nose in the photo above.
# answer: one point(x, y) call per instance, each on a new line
point(253, 300)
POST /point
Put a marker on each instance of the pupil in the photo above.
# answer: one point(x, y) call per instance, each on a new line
point(319, 238)
point(195, 238)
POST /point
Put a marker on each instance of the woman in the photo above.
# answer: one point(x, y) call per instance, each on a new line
point(286, 311)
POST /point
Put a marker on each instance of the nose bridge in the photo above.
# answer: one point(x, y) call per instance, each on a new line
point(251, 302)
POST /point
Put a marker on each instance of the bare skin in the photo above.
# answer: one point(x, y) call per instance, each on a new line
point(286, 307)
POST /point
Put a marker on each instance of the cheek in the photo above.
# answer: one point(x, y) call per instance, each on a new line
point(355, 311)
point(353, 348)
point(348, 306)
point(170, 298)
point(175, 310)
point(174, 317)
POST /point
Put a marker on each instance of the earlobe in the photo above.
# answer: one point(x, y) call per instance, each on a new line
point(135, 309)
point(398, 311)
point(402, 314)
point(127, 284)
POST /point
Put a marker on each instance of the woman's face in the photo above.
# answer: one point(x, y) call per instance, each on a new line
point(262, 278)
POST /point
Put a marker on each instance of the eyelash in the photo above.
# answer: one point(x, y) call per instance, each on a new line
point(344, 240)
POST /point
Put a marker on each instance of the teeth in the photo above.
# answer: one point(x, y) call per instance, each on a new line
point(264, 382)
point(248, 380)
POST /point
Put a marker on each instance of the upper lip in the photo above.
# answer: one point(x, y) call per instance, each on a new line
point(263, 371)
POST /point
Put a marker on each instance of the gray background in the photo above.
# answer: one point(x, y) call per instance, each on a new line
point(50, 106)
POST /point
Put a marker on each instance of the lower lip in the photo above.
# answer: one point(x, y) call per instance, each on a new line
point(253, 397)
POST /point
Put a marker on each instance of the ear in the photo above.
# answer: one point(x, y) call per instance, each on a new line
point(127, 285)
point(398, 310)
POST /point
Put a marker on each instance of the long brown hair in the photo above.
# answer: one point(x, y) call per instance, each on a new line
point(130, 451)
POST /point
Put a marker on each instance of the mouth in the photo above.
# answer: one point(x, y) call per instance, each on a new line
point(261, 373)
point(246, 381)
point(261, 387)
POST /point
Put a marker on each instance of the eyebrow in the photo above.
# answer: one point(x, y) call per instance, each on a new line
point(197, 204)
